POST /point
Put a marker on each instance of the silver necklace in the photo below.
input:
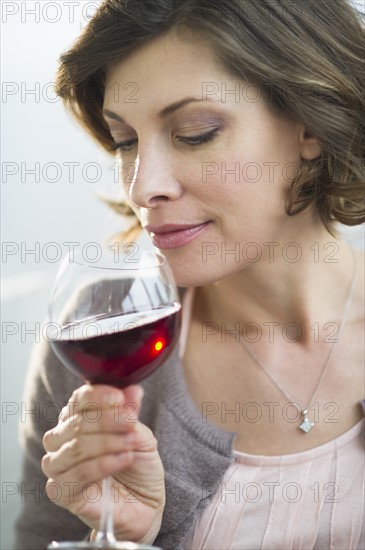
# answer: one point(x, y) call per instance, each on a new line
point(306, 425)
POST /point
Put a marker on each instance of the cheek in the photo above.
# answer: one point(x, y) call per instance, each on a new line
point(255, 175)
point(244, 189)
point(247, 207)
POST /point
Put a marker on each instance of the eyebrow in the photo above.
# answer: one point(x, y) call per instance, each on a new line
point(166, 111)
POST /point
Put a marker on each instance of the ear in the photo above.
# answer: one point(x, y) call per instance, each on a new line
point(310, 146)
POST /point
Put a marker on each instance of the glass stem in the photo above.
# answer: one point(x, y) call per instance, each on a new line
point(106, 529)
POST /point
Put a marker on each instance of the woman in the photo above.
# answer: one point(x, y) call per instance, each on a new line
point(238, 127)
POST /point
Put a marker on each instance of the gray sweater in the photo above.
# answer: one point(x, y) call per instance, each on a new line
point(195, 454)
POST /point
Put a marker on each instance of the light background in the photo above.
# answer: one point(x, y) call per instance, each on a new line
point(36, 129)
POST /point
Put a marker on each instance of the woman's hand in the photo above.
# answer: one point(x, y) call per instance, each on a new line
point(98, 434)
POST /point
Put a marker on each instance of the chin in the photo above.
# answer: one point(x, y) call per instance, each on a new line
point(198, 274)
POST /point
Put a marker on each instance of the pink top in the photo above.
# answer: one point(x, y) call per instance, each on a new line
point(308, 500)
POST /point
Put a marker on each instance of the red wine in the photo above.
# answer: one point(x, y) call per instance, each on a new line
point(124, 350)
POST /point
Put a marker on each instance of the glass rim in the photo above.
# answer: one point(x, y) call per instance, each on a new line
point(74, 258)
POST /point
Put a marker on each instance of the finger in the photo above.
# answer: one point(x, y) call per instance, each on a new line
point(88, 396)
point(86, 448)
point(93, 419)
point(71, 484)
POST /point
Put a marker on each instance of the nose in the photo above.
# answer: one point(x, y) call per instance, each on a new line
point(153, 180)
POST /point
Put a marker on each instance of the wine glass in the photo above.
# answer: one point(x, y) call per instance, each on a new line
point(113, 321)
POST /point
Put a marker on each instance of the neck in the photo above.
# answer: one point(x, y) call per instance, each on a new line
point(276, 289)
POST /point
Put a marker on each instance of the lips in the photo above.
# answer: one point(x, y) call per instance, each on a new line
point(173, 235)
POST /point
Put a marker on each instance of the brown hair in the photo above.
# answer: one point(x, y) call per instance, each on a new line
point(305, 57)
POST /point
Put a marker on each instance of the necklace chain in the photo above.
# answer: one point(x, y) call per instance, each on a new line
point(306, 425)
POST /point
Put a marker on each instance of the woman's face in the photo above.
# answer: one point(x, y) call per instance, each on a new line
point(205, 165)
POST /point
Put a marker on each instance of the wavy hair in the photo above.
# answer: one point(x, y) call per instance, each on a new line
point(305, 57)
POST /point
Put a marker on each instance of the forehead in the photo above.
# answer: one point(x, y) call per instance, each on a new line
point(166, 65)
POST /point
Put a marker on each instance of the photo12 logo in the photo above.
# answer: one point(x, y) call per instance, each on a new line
point(52, 252)
point(252, 252)
point(67, 491)
point(38, 92)
point(270, 491)
point(63, 11)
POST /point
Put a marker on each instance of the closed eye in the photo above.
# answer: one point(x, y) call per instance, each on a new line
point(198, 140)
point(189, 140)
point(124, 145)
